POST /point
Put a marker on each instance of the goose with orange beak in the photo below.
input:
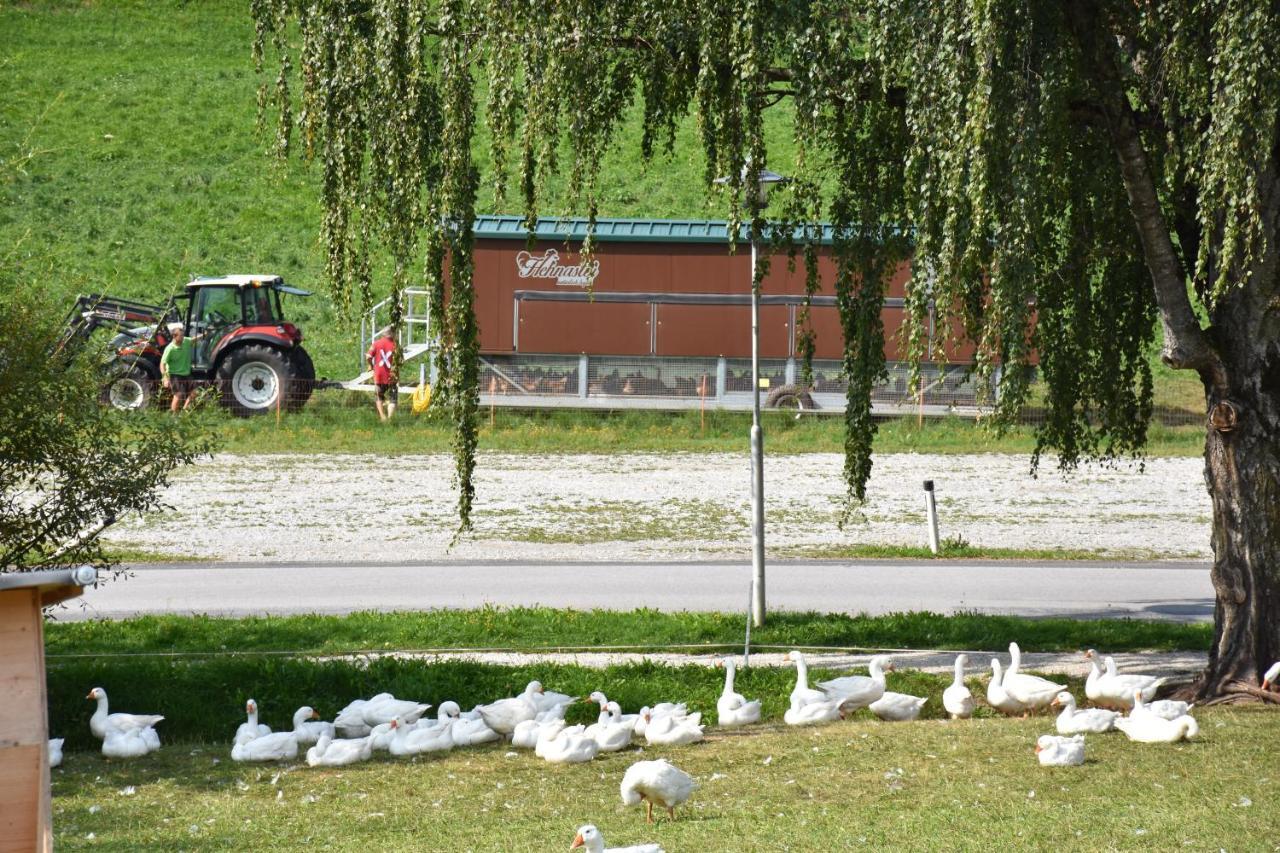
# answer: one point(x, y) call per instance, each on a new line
point(590, 839)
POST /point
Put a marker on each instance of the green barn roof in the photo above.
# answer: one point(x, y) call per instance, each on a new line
point(618, 230)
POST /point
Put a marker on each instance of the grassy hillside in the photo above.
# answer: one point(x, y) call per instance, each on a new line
point(131, 161)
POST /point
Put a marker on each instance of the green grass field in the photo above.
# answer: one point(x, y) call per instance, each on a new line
point(863, 784)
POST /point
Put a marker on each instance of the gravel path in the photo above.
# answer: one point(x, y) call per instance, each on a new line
point(658, 507)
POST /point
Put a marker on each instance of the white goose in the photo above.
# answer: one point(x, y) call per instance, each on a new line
point(1271, 676)
point(308, 727)
point(1144, 727)
point(732, 708)
point(350, 720)
point(55, 751)
point(551, 730)
point(1056, 751)
point(102, 722)
point(1112, 689)
point(956, 699)
point(252, 728)
point(329, 752)
point(1031, 690)
point(1088, 720)
point(281, 746)
point(814, 713)
point(527, 732)
point(125, 743)
point(1169, 709)
point(602, 700)
point(504, 715)
point(466, 731)
point(614, 735)
point(590, 840)
point(803, 694)
point(898, 707)
point(569, 747)
point(420, 739)
point(547, 700)
point(662, 709)
point(997, 696)
point(859, 691)
point(384, 708)
point(674, 731)
point(657, 782)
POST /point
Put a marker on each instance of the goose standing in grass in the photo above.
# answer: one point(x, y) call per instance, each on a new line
point(1128, 683)
point(466, 731)
point(504, 715)
point(590, 840)
point(1031, 691)
point(859, 691)
point(350, 720)
point(956, 699)
point(613, 735)
point(251, 729)
point(420, 739)
point(281, 746)
point(102, 721)
point(657, 782)
point(329, 752)
point(1271, 676)
point(998, 697)
point(308, 727)
point(898, 707)
point(732, 708)
point(674, 731)
point(1056, 751)
point(1111, 688)
point(384, 707)
point(55, 751)
point(1089, 720)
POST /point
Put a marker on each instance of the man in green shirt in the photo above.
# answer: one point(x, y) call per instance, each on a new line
point(175, 367)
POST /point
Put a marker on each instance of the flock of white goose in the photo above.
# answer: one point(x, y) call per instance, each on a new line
point(535, 720)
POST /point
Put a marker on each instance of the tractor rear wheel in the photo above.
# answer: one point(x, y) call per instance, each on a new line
point(252, 378)
point(298, 391)
point(128, 388)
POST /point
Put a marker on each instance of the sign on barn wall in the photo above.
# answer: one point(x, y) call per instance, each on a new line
point(547, 265)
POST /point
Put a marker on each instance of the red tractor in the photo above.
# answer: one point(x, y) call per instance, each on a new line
point(243, 346)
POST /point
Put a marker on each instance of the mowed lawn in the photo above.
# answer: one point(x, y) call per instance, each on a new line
point(930, 785)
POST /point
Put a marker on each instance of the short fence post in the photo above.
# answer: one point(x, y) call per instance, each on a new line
point(931, 510)
point(582, 375)
point(722, 378)
point(789, 373)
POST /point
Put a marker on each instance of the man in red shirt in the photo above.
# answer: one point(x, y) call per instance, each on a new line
point(382, 358)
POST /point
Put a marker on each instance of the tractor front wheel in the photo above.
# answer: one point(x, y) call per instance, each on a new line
point(128, 388)
point(252, 378)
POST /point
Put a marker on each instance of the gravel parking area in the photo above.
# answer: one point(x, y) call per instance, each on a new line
point(659, 506)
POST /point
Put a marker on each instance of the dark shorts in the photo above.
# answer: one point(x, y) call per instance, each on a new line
point(389, 393)
point(181, 386)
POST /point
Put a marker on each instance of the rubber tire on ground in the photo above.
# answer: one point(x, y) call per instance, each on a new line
point(140, 381)
point(303, 382)
point(252, 357)
point(790, 397)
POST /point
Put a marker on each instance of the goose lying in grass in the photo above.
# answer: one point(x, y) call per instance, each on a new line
point(1168, 709)
point(551, 730)
point(55, 751)
point(859, 691)
point(1090, 720)
point(602, 700)
point(329, 752)
point(1145, 727)
point(129, 743)
point(732, 708)
point(657, 782)
point(350, 720)
point(957, 701)
point(281, 746)
point(102, 722)
point(613, 735)
point(570, 745)
point(1056, 751)
point(662, 709)
point(814, 713)
point(384, 708)
point(466, 731)
point(504, 715)
point(674, 731)
point(252, 728)
point(997, 697)
point(898, 707)
point(415, 740)
point(590, 840)
point(308, 727)
point(1031, 691)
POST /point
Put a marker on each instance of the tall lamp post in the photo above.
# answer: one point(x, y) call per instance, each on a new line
point(765, 181)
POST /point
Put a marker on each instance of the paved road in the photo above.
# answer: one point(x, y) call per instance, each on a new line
point(1171, 591)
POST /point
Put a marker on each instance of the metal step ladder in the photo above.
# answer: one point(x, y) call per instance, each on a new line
point(414, 338)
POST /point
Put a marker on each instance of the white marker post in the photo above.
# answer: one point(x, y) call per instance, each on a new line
point(931, 510)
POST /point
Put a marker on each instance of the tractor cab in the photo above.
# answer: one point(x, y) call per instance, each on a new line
point(237, 308)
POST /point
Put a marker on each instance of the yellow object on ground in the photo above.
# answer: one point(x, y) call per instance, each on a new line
point(421, 398)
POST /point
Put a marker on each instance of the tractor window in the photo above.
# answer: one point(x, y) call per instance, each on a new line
point(215, 307)
point(260, 306)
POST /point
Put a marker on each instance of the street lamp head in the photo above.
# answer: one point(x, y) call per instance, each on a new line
point(765, 181)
